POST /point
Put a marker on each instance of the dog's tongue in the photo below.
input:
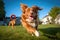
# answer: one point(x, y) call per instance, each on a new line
point(31, 18)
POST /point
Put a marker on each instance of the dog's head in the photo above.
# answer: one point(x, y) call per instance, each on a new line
point(30, 13)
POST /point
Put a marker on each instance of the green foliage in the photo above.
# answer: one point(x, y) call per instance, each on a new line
point(54, 12)
point(2, 11)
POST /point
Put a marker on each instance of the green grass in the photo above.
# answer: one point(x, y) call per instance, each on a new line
point(47, 32)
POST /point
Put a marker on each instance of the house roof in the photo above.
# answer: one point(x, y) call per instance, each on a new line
point(45, 16)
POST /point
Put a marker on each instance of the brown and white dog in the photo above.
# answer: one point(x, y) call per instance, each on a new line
point(29, 19)
point(12, 22)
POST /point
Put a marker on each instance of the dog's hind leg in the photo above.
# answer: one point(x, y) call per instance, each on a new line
point(12, 26)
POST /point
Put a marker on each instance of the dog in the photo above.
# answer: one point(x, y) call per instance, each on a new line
point(12, 22)
point(29, 19)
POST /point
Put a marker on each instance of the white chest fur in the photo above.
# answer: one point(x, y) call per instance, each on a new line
point(32, 23)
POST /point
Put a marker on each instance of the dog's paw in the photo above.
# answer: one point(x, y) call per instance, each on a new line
point(36, 33)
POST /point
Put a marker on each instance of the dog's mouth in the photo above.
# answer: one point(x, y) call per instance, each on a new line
point(31, 17)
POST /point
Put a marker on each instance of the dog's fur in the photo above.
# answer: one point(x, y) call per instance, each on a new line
point(12, 22)
point(29, 19)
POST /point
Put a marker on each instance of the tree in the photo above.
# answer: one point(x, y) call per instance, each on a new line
point(54, 12)
point(2, 11)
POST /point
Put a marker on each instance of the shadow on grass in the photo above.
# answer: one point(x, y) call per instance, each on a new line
point(53, 33)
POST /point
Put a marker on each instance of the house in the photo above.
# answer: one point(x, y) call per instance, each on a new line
point(7, 20)
point(46, 19)
point(1, 23)
point(57, 20)
point(18, 22)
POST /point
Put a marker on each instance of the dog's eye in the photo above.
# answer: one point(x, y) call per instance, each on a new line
point(24, 12)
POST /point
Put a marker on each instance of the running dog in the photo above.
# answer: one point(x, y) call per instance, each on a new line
point(29, 19)
point(12, 22)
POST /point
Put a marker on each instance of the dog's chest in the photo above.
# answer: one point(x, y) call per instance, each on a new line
point(32, 24)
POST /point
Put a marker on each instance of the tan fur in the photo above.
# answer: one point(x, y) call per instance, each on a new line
point(27, 12)
point(12, 22)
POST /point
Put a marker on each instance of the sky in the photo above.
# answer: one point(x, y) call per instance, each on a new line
point(13, 6)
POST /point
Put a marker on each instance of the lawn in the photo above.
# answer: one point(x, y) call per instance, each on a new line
point(47, 32)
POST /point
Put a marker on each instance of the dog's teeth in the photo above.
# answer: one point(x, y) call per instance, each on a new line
point(30, 18)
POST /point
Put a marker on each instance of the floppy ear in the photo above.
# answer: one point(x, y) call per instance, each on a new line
point(23, 7)
point(37, 8)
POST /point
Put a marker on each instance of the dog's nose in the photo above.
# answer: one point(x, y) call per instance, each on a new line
point(31, 13)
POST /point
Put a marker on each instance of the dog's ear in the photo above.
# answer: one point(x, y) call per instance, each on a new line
point(37, 8)
point(23, 7)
